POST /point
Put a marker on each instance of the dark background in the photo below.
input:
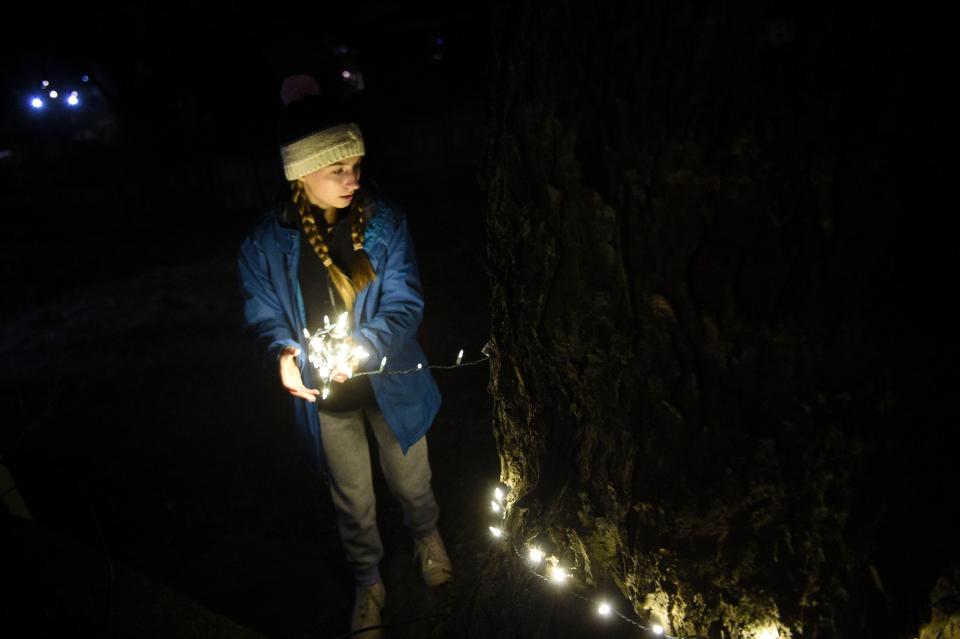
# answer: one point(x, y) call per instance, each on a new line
point(155, 456)
point(188, 98)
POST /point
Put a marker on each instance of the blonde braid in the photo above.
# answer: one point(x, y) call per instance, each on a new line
point(360, 267)
point(339, 279)
point(356, 230)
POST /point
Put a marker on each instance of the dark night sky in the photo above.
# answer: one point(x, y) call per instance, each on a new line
point(223, 65)
point(192, 91)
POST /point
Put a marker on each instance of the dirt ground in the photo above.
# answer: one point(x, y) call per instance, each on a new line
point(137, 423)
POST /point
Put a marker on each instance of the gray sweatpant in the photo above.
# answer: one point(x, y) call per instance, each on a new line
point(351, 485)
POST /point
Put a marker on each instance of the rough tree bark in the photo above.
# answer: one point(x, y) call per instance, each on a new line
point(705, 371)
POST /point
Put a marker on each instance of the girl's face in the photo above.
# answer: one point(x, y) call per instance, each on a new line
point(332, 187)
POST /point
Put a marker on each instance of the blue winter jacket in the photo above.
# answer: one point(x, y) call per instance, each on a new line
point(386, 316)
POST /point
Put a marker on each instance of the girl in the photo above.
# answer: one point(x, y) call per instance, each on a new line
point(334, 247)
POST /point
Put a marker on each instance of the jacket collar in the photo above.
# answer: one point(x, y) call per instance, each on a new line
point(286, 229)
point(287, 216)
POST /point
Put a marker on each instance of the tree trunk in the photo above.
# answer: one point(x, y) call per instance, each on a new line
point(708, 361)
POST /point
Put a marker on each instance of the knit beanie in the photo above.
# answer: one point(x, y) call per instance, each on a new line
point(313, 132)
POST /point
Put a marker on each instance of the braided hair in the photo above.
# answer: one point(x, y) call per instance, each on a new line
point(361, 271)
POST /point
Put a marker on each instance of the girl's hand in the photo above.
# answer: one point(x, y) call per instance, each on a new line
point(290, 376)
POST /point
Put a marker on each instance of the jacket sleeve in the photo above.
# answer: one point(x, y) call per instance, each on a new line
point(263, 315)
point(400, 307)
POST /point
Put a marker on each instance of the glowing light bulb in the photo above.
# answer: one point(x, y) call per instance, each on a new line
point(45, 84)
point(346, 74)
point(604, 609)
point(498, 494)
point(54, 95)
point(419, 365)
point(496, 532)
point(535, 555)
point(657, 629)
point(558, 575)
point(495, 506)
point(459, 357)
point(36, 103)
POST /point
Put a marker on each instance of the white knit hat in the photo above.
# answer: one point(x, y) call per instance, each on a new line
point(321, 148)
point(313, 133)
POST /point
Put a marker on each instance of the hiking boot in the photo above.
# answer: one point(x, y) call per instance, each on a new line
point(367, 604)
point(434, 563)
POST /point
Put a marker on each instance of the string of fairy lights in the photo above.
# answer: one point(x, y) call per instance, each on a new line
point(549, 568)
point(332, 352)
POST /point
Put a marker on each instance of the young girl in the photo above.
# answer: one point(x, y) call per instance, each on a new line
point(335, 247)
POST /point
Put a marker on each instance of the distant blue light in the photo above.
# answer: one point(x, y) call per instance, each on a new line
point(36, 103)
point(73, 99)
point(85, 78)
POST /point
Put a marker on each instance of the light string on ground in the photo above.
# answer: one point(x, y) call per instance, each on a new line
point(556, 573)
